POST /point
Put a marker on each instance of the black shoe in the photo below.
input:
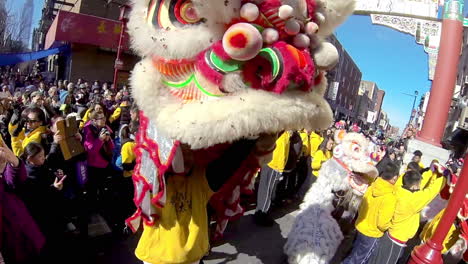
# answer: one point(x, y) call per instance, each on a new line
point(263, 219)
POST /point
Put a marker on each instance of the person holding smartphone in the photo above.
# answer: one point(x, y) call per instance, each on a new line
point(99, 146)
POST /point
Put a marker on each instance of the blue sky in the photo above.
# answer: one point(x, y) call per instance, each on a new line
point(391, 59)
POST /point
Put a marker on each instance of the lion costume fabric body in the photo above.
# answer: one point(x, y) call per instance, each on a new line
point(214, 72)
point(316, 234)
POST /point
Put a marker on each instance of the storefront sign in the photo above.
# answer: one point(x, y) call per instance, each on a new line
point(85, 29)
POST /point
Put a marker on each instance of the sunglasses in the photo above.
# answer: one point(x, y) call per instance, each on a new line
point(31, 121)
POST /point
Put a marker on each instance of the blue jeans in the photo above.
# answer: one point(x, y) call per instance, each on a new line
point(363, 247)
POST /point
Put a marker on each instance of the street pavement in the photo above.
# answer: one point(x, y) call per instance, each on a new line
point(248, 243)
point(244, 243)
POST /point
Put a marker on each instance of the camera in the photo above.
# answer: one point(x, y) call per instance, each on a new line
point(105, 131)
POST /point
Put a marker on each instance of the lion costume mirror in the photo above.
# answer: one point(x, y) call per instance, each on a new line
point(217, 79)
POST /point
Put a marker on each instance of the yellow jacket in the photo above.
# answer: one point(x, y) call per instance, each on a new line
point(315, 141)
point(128, 158)
point(117, 113)
point(85, 118)
point(22, 140)
point(180, 235)
point(281, 153)
point(305, 143)
point(377, 209)
point(318, 159)
point(405, 222)
point(425, 177)
point(429, 230)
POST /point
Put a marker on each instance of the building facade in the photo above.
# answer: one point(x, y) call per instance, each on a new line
point(378, 104)
point(93, 40)
point(343, 85)
point(26, 22)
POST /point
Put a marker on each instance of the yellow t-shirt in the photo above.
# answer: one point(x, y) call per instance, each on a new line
point(281, 153)
point(318, 159)
point(128, 156)
point(315, 141)
point(180, 236)
point(305, 143)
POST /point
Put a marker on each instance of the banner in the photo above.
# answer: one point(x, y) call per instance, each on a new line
point(85, 29)
point(15, 58)
point(421, 8)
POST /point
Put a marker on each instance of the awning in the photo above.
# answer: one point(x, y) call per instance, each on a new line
point(85, 29)
point(15, 58)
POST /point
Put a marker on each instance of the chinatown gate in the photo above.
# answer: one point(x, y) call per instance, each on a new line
point(442, 40)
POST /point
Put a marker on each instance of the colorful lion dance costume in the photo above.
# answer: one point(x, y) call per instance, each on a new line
point(343, 180)
point(218, 73)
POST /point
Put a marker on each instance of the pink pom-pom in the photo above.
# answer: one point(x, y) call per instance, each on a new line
point(292, 27)
point(249, 12)
point(285, 12)
point(301, 41)
point(311, 28)
point(270, 35)
point(242, 41)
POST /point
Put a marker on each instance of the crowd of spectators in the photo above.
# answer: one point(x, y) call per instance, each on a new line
point(46, 196)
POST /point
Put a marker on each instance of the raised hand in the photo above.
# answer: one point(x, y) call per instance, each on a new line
point(58, 183)
point(6, 155)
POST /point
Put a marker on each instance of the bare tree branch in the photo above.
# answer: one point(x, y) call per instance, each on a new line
point(12, 29)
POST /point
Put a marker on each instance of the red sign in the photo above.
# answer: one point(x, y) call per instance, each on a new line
point(85, 29)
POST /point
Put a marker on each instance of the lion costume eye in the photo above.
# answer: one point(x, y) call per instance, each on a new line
point(171, 14)
point(355, 147)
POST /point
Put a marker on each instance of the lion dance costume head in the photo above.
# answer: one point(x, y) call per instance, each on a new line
point(214, 72)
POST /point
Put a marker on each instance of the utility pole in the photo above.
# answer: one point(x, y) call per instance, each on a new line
point(434, 125)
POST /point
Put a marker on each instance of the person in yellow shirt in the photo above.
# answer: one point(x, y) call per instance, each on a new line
point(375, 215)
point(29, 129)
point(122, 112)
point(315, 140)
point(269, 177)
point(180, 235)
point(323, 154)
point(304, 170)
point(426, 174)
point(97, 107)
point(405, 222)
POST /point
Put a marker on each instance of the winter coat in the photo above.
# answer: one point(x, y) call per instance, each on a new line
point(377, 209)
point(123, 113)
point(20, 236)
point(99, 152)
point(405, 222)
point(42, 198)
point(18, 143)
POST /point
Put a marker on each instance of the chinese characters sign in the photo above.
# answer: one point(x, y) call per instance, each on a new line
point(85, 29)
